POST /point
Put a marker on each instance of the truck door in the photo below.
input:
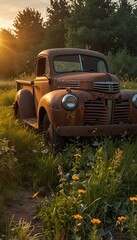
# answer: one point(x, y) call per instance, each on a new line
point(41, 83)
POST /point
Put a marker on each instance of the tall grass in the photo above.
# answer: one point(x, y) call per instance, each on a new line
point(6, 100)
point(7, 84)
point(127, 83)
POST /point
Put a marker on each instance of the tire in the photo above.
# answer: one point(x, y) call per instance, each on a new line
point(51, 138)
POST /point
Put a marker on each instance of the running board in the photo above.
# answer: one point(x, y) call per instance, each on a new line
point(32, 122)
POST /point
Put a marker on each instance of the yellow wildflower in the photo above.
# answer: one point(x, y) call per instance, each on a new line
point(75, 177)
point(35, 194)
point(77, 155)
point(78, 216)
point(122, 219)
point(133, 199)
point(95, 221)
point(81, 191)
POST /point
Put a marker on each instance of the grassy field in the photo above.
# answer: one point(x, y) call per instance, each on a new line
point(92, 185)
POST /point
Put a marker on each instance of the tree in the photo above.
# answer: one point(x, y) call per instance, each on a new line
point(123, 23)
point(55, 24)
point(7, 53)
point(87, 26)
point(29, 28)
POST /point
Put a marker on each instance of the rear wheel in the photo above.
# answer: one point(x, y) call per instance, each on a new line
point(17, 111)
point(51, 138)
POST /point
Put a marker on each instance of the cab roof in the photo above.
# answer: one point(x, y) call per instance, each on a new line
point(62, 51)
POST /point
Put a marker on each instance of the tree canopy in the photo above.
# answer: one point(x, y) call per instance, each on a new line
point(57, 13)
point(102, 25)
point(28, 26)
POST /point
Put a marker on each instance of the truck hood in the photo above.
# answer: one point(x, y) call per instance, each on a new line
point(102, 82)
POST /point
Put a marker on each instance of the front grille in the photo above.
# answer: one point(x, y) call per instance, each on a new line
point(121, 112)
point(97, 112)
point(68, 84)
point(107, 87)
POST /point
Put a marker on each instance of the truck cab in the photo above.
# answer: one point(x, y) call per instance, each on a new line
point(74, 94)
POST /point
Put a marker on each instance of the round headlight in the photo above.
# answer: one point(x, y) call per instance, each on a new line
point(69, 102)
point(134, 100)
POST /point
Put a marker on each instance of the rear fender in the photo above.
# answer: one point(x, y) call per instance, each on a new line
point(25, 102)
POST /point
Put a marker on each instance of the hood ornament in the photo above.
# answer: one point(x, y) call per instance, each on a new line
point(68, 89)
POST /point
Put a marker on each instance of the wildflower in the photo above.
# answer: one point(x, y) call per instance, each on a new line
point(35, 194)
point(95, 221)
point(75, 177)
point(81, 191)
point(122, 219)
point(77, 155)
point(78, 216)
point(133, 199)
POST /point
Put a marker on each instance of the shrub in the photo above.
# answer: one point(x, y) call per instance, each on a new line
point(123, 64)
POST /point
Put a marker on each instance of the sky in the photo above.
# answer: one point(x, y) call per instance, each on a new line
point(10, 8)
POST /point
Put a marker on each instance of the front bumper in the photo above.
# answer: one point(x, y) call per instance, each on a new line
point(98, 130)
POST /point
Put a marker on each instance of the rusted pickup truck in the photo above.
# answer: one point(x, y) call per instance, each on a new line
point(74, 94)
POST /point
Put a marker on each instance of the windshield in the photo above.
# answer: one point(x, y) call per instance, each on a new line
point(82, 63)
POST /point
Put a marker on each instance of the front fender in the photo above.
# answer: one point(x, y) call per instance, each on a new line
point(127, 95)
point(58, 116)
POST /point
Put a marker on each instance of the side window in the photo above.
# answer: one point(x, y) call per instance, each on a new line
point(42, 67)
point(101, 66)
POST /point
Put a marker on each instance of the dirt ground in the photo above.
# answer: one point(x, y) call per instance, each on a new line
point(24, 207)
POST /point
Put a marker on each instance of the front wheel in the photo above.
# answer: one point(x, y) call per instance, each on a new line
point(51, 138)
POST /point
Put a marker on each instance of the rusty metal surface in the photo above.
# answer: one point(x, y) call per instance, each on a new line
point(98, 130)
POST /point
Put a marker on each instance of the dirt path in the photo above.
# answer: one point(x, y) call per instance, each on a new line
point(24, 207)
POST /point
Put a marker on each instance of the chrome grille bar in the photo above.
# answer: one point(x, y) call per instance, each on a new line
point(121, 112)
point(96, 112)
point(107, 87)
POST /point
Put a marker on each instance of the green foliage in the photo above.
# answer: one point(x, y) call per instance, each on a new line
point(55, 24)
point(7, 100)
point(7, 158)
point(6, 84)
point(8, 174)
point(101, 177)
point(46, 175)
point(29, 145)
point(91, 32)
point(123, 64)
point(22, 230)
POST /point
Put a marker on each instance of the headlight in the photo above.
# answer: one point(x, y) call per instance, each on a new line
point(69, 102)
point(134, 100)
